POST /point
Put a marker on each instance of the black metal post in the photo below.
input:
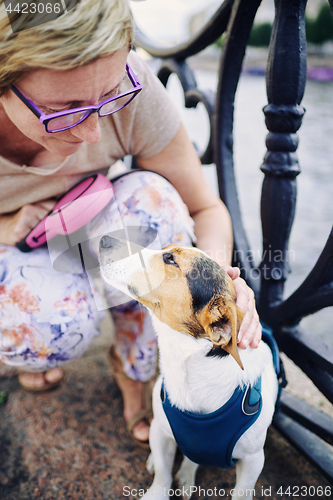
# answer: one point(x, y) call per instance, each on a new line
point(286, 77)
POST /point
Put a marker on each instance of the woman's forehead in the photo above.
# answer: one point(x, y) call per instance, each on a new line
point(85, 83)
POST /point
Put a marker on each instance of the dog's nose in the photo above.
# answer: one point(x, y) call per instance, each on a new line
point(106, 242)
point(113, 248)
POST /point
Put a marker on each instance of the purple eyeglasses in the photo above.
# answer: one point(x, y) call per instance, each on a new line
point(63, 120)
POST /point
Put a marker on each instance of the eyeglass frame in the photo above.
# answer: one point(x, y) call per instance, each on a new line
point(45, 119)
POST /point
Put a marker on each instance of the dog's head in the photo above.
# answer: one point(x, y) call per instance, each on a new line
point(183, 287)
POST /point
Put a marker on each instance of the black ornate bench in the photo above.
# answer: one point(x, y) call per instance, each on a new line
point(286, 77)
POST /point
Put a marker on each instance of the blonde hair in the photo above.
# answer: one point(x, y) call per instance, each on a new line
point(92, 29)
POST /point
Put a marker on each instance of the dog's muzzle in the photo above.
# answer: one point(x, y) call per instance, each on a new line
point(125, 242)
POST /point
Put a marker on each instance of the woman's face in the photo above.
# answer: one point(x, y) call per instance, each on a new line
point(54, 90)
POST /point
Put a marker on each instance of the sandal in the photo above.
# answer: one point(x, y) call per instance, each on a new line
point(142, 415)
point(32, 388)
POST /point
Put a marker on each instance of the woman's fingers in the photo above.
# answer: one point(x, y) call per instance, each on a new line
point(250, 329)
point(233, 272)
point(250, 335)
point(47, 205)
point(28, 216)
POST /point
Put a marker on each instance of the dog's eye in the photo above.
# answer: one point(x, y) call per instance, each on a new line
point(169, 259)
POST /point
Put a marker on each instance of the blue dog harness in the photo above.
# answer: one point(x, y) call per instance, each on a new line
point(210, 439)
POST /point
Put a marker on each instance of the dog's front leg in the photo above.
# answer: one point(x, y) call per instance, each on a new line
point(185, 477)
point(163, 449)
point(247, 473)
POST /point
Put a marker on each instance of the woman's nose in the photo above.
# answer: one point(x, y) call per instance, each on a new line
point(89, 130)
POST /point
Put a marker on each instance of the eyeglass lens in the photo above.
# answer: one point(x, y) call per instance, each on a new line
point(112, 106)
point(70, 120)
point(66, 121)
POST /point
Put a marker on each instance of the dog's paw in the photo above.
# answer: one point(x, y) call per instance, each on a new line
point(149, 495)
point(185, 478)
point(150, 464)
point(186, 489)
point(156, 493)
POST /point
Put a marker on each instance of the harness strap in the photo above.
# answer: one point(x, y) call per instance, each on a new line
point(267, 337)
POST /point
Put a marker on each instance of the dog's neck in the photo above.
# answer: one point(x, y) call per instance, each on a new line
point(198, 383)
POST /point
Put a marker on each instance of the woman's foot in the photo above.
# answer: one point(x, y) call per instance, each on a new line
point(41, 381)
point(133, 397)
point(137, 398)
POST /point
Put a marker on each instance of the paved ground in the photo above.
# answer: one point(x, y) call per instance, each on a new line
point(71, 442)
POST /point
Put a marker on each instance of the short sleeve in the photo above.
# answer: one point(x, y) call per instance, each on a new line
point(151, 120)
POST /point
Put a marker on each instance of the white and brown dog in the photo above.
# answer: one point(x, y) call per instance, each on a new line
point(208, 397)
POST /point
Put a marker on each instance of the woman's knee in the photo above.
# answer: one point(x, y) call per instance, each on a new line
point(46, 318)
point(145, 198)
point(41, 345)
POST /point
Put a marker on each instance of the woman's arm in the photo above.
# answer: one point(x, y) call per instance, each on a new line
point(180, 164)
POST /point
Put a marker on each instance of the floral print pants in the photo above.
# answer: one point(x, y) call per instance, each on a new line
point(48, 317)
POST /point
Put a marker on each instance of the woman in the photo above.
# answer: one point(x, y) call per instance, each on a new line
point(82, 59)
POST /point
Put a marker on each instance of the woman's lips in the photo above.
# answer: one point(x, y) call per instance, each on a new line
point(71, 142)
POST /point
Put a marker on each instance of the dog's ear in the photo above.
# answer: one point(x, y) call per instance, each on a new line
point(221, 320)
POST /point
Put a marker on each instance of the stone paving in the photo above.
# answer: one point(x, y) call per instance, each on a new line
point(71, 443)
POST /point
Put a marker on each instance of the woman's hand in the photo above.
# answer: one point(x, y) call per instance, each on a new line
point(250, 330)
point(14, 227)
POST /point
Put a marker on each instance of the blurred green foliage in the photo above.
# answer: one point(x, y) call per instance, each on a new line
point(318, 30)
point(3, 397)
point(260, 35)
